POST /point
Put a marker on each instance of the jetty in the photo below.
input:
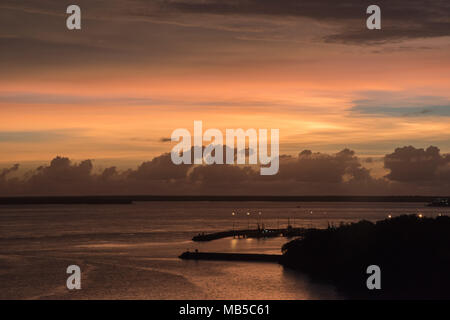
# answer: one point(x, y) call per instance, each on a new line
point(252, 233)
point(230, 256)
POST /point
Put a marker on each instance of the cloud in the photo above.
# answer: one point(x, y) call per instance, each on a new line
point(340, 21)
point(411, 171)
point(408, 164)
point(38, 135)
point(400, 104)
point(160, 168)
point(5, 172)
point(225, 175)
point(62, 176)
point(318, 167)
point(400, 19)
point(58, 99)
point(443, 111)
point(32, 98)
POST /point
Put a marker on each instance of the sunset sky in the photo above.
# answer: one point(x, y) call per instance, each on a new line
point(115, 90)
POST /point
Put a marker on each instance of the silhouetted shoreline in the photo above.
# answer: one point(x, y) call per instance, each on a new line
point(116, 199)
point(63, 200)
point(411, 251)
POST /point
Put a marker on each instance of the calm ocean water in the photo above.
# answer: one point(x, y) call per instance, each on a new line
point(130, 251)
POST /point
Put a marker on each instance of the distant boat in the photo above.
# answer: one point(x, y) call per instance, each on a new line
point(439, 202)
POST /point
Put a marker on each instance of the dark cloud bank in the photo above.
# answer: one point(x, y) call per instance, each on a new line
point(401, 19)
point(411, 171)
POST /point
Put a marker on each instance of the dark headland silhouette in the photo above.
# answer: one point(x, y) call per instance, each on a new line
point(128, 199)
point(413, 253)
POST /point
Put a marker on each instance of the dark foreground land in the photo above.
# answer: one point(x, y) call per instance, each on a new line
point(412, 252)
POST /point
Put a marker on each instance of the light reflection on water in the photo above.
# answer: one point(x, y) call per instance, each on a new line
point(128, 252)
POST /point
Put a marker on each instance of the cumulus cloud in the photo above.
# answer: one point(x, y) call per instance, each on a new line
point(319, 167)
point(408, 164)
point(6, 171)
point(61, 176)
point(225, 175)
point(400, 104)
point(160, 168)
point(410, 171)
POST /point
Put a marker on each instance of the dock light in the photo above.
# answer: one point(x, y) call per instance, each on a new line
point(233, 214)
point(259, 220)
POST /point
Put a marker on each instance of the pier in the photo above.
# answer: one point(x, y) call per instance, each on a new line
point(249, 233)
point(230, 256)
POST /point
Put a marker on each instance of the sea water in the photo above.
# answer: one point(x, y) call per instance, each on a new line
point(131, 251)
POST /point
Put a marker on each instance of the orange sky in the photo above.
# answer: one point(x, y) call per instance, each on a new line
point(121, 84)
